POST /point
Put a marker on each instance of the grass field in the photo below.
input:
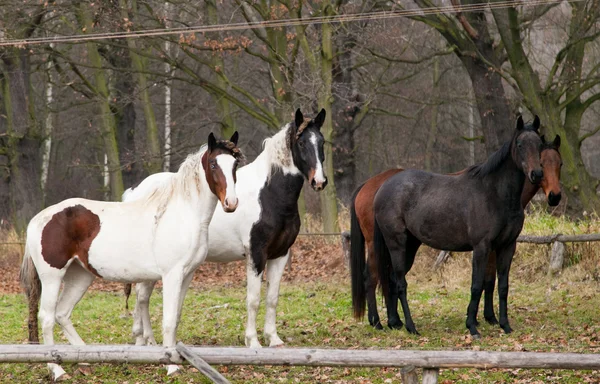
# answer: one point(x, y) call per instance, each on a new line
point(558, 314)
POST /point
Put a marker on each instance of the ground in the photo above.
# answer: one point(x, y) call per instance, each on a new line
point(558, 314)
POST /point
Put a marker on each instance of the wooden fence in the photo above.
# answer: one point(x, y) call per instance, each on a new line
point(429, 361)
point(557, 255)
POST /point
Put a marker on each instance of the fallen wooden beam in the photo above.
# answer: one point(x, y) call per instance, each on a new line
point(201, 365)
point(299, 356)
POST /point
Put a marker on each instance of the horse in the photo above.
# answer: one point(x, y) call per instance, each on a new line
point(479, 210)
point(362, 232)
point(161, 236)
point(263, 228)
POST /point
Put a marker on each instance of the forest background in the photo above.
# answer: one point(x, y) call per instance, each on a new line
point(88, 110)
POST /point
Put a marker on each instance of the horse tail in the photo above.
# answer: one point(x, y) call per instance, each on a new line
point(30, 282)
point(357, 261)
point(127, 291)
point(384, 260)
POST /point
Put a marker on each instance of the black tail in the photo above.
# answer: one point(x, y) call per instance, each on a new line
point(384, 260)
point(357, 262)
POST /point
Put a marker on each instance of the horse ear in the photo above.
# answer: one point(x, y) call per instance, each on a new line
point(299, 119)
point(235, 137)
point(557, 141)
point(212, 142)
point(536, 123)
point(520, 124)
point(320, 118)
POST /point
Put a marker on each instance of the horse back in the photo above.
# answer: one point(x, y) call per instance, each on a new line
point(363, 202)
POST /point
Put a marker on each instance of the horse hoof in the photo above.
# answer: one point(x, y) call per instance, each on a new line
point(173, 370)
point(378, 326)
point(276, 342)
point(395, 325)
point(252, 342)
point(507, 329)
point(476, 336)
point(491, 320)
point(412, 330)
point(63, 377)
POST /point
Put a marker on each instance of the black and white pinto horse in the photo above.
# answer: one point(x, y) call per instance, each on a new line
point(264, 226)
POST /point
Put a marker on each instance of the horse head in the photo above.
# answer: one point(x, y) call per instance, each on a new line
point(525, 149)
point(306, 144)
point(551, 163)
point(220, 164)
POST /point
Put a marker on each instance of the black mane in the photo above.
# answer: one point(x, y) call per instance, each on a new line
point(226, 145)
point(497, 158)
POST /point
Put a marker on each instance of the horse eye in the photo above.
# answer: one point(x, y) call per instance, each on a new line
point(301, 144)
point(213, 166)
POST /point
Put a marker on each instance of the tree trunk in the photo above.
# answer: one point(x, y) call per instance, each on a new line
point(346, 106)
point(22, 141)
point(228, 124)
point(108, 128)
point(329, 210)
point(433, 126)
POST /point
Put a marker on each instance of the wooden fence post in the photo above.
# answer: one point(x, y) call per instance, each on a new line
point(346, 247)
point(557, 258)
point(430, 375)
point(409, 375)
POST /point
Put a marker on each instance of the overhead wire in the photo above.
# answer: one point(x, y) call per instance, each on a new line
point(367, 16)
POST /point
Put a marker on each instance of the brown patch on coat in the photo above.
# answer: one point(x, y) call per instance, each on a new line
point(70, 233)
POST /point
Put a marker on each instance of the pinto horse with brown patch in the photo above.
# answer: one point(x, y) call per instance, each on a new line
point(415, 207)
point(263, 228)
point(362, 232)
point(161, 236)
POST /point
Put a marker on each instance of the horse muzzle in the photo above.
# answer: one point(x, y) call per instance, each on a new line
point(318, 186)
point(554, 199)
point(230, 204)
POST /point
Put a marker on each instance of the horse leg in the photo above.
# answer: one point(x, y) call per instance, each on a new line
point(396, 242)
point(253, 281)
point(173, 368)
point(76, 283)
point(504, 260)
point(479, 264)
point(47, 315)
point(142, 328)
point(412, 245)
point(371, 280)
point(275, 268)
point(391, 305)
point(172, 291)
point(488, 289)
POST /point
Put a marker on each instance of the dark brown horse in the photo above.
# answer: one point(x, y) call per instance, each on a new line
point(362, 232)
point(415, 207)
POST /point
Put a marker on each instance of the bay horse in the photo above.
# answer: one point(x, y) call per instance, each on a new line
point(479, 210)
point(161, 236)
point(263, 228)
point(362, 232)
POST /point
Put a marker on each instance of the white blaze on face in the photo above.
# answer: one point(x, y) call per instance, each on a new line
point(319, 176)
point(226, 163)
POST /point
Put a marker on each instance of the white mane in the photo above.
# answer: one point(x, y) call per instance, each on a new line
point(278, 151)
point(185, 183)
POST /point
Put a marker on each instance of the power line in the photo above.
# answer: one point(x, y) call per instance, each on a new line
point(381, 15)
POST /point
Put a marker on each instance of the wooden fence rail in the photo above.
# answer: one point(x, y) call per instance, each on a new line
point(299, 357)
point(556, 256)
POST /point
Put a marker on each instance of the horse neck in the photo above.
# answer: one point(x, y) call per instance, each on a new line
point(194, 187)
point(508, 180)
point(529, 190)
point(277, 155)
